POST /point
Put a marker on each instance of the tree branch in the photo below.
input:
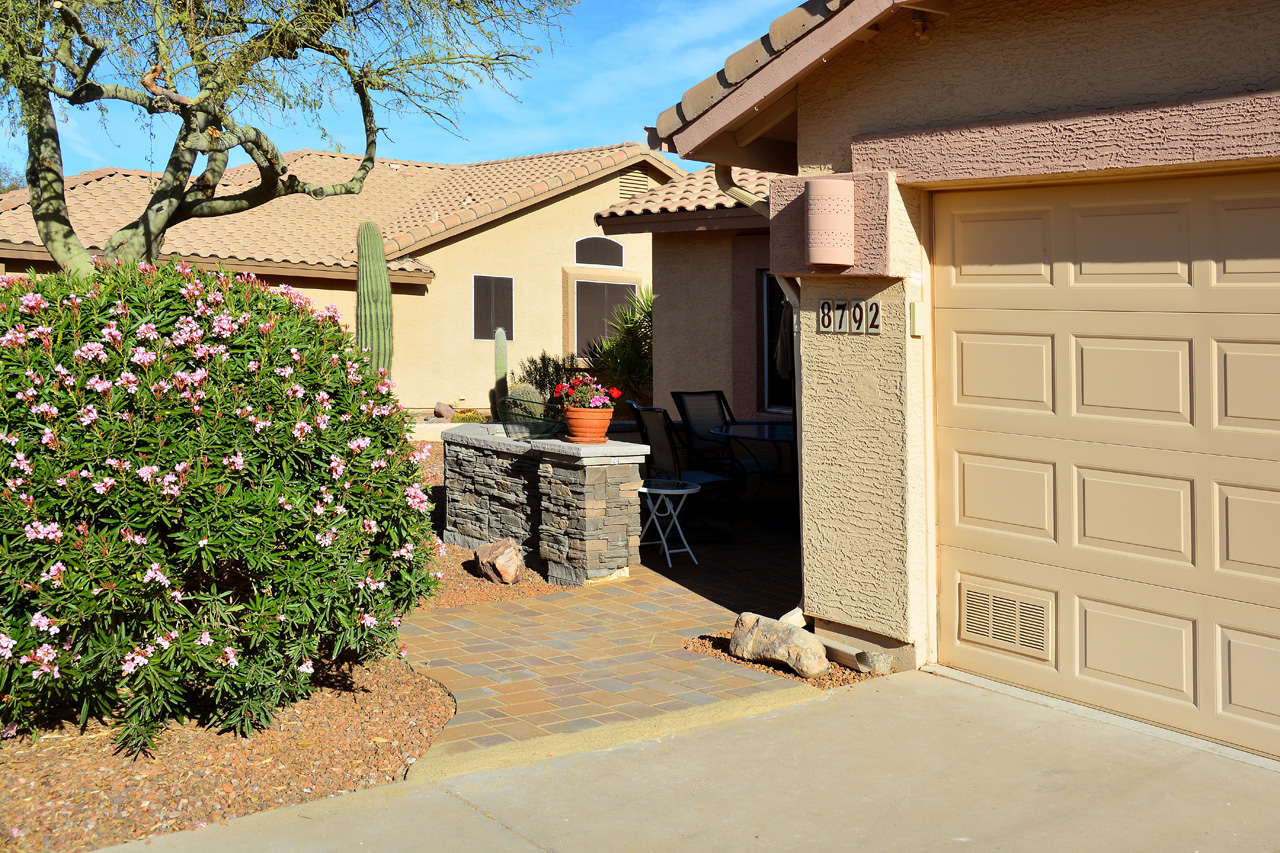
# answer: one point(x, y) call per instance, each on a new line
point(46, 185)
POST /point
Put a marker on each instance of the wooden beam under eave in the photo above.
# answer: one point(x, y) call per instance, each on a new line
point(766, 155)
point(766, 118)
point(937, 7)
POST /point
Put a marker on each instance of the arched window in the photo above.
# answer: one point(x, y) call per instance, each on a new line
point(598, 252)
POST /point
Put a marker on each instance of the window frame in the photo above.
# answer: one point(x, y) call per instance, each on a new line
point(618, 243)
point(767, 355)
point(635, 289)
point(510, 332)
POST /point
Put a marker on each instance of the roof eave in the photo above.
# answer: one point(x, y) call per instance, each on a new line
point(732, 130)
point(720, 219)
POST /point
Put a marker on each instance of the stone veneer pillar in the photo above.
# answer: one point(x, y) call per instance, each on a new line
point(574, 509)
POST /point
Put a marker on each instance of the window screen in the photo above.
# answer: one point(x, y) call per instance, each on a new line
point(600, 251)
point(596, 303)
point(493, 309)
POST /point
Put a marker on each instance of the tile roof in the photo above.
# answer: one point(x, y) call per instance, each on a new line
point(785, 31)
point(413, 203)
point(694, 192)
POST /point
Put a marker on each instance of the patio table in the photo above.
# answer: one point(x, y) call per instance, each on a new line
point(664, 514)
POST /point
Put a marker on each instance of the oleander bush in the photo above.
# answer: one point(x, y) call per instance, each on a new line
point(208, 495)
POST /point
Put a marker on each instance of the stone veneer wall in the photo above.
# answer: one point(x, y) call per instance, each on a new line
point(573, 509)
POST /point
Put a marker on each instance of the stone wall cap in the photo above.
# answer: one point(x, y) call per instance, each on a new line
point(623, 451)
point(481, 435)
point(486, 437)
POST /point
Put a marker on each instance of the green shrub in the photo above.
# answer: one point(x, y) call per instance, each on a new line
point(467, 416)
point(525, 391)
point(209, 495)
point(624, 357)
point(546, 371)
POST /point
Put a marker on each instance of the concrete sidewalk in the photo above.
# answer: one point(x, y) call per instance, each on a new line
point(910, 762)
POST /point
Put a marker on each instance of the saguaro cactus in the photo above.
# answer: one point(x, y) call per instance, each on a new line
point(373, 297)
point(499, 366)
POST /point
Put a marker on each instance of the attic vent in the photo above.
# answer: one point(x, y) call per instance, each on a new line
point(633, 183)
point(1009, 617)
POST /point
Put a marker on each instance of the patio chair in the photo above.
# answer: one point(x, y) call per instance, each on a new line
point(664, 453)
point(700, 413)
point(524, 419)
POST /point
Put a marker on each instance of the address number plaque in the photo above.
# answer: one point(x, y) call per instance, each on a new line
point(849, 316)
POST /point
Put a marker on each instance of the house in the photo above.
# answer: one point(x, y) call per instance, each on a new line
point(1035, 248)
point(716, 309)
point(470, 248)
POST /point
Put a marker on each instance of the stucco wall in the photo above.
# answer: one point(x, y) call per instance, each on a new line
point(1007, 59)
point(436, 358)
point(692, 321)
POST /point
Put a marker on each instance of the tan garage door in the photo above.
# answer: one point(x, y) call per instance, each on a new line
point(1108, 370)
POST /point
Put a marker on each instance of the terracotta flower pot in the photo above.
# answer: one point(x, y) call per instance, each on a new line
point(587, 426)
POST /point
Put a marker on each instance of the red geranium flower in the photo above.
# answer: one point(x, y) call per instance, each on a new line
point(615, 393)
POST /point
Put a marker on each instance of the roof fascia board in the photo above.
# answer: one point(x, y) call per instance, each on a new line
point(667, 168)
point(39, 253)
point(724, 219)
point(781, 73)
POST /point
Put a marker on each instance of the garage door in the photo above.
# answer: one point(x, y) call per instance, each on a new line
point(1108, 370)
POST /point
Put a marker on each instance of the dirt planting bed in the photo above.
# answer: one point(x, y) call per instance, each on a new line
point(70, 792)
point(717, 646)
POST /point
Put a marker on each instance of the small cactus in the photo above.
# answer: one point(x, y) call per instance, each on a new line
point(373, 297)
point(524, 391)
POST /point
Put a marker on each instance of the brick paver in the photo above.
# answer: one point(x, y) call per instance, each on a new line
point(595, 656)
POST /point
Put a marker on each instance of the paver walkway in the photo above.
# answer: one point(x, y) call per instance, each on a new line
point(589, 657)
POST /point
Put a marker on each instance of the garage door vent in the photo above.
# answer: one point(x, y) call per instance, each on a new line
point(1008, 617)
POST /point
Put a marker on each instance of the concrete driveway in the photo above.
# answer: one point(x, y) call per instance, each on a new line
point(914, 761)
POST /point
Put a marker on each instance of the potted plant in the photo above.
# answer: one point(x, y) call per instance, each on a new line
point(588, 406)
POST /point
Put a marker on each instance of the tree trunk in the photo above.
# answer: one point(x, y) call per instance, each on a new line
point(45, 181)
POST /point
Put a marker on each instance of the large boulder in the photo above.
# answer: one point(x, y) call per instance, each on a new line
point(444, 411)
point(501, 561)
point(759, 638)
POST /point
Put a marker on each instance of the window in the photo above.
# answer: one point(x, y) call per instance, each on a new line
point(779, 393)
point(595, 303)
point(598, 252)
point(491, 298)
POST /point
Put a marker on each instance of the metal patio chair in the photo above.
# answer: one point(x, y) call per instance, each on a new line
point(524, 420)
point(700, 413)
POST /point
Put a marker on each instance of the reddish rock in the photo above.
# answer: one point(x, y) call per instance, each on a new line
point(501, 561)
point(759, 638)
point(444, 411)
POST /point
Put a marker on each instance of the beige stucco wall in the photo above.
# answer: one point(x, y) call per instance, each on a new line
point(692, 322)
point(1008, 59)
point(436, 358)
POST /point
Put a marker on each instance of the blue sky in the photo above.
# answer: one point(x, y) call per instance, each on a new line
point(621, 63)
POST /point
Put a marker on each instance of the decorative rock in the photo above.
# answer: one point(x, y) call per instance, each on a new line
point(878, 663)
point(501, 561)
point(444, 411)
point(759, 638)
point(793, 617)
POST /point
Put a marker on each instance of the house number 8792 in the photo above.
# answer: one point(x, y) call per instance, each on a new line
point(849, 316)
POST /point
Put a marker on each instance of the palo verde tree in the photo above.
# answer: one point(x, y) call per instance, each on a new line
point(219, 66)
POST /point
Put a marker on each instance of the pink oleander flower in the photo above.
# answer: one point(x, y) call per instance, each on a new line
point(378, 463)
point(438, 575)
point(36, 530)
point(147, 332)
point(259, 424)
point(176, 595)
point(329, 312)
point(368, 620)
point(253, 367)
point(359, 444)
point(203, 542)
point(370, 583)
point(6, 646)
point(417, 498)
point(53, 574)
point(297, 392)
point(128, 381)
point(23, 464)
point(43, 623)
point(88, 415)
point(325, 401)
point(133, 660)
point(92, 351)
point(420, 456)
point(336, 466)
point(142, 356)
point(104, 485)
point(284, 502)
point(154, 574)
point(439, 546)
point(306, 667)
point(205, 639)
point(369, 525)
point(146, 472)
point(395, 621)
point(111, 334)
point(405, 552)
point(236, 463)
point(133, 538)
point(102, 386)
point(324, 540)
point(300, 430)
point(322, 421)
point(229, 657)
point(32, 303)
point(284, 372)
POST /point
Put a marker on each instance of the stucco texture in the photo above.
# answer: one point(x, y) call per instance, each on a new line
point(995, 60)
point(436, 357)
point(692, 325)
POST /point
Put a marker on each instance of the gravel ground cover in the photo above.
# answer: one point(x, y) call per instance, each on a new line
point(717, 646)
point(73, 792)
